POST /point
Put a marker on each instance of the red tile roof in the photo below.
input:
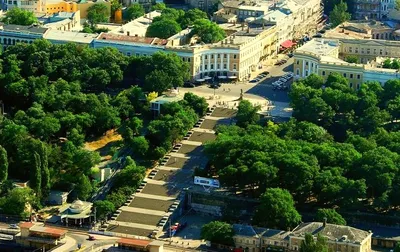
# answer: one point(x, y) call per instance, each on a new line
point(134, 242)
point(55, 231)
point(26, 225)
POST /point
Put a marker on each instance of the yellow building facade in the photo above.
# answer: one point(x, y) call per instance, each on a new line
point(69, 6)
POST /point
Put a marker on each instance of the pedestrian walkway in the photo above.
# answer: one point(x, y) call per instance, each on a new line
point(160, 196)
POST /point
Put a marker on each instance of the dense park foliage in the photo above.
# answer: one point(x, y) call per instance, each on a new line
point(19, 16)
point(173, 21)
point(341, 148)
point(59, 96)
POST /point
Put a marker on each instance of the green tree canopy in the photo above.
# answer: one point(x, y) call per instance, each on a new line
point(3, 164)
point(311, 245)
point(16, 201)
point(158, 6)
point(163, 28)
point(84, 187)
point(207, 31)
point(19, 16)
point(352, 59)
point(98, 13)
point(247, 114)
point(134, 11)
point(339, 14)
point(191, 16)
point(330, 215)
point(276, 210)
point(103, 208)
point(217, 232)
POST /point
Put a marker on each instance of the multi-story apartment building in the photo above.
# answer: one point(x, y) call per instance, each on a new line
point(325, 56)
point(339, 238)
point(363, 29)
point(54, 6)
point(234, 57)
point(372, 9)
point(295, 19)
point(12, 34)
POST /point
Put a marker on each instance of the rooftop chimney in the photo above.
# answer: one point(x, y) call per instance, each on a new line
point(325, 220)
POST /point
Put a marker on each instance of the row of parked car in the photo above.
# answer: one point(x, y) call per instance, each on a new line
point(281, 84)
point(260, 77)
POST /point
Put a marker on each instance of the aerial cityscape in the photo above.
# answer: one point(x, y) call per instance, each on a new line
point(200, 125)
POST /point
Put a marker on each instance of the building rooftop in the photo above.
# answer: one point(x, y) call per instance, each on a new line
point(77, 210)
point(134, 242)
point(26, 225)
point(332, 232)
point(357, 29)
point(132, 39)
point(274, 16)
point(138, 26)
point(321, 47)
point(250, 231)
point(25, 29)
point(70, 36)
point(48, 231)
point(167, 98)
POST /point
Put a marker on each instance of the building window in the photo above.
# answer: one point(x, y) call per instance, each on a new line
point(205, 67)
point(188, 59)
point(358, 86)
point(224, 66)
point(381, 52)
point(350, 49)
point(368, 51)
point(356, 50)
point(323, 73)
point(306, 63)
point(205, 57)
point(224, 56)
point(234, 56)
point(128, 54)
point(297, 62)
point(351, 85)
point(297, 71)
point(218, 66)
point(219, 56)
point(306, 72)
point(344, 75)
point(351, 76)
point(212, 56)
point(312, 64)
point(212, 66)
point(362, 50)
point(358, 76)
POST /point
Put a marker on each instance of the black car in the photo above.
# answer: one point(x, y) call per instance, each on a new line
point(189, 85)
point(290, 55)
point(265, 72)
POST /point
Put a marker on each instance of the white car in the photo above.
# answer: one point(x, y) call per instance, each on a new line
point(277, 83)
point(282, 79)
point(290, 75)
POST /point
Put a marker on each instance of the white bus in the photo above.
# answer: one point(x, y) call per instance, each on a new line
point(206, 182)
